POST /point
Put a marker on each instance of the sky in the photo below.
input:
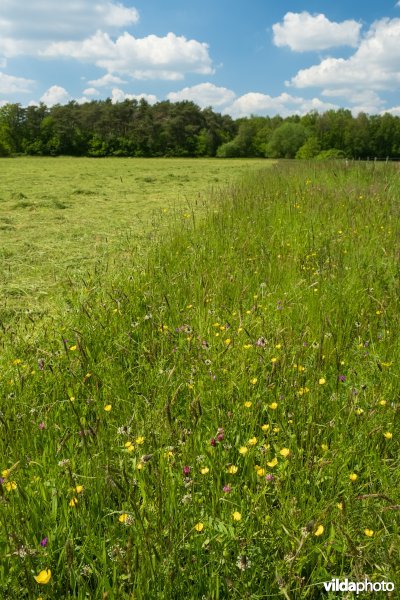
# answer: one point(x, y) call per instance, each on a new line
point(241, 57)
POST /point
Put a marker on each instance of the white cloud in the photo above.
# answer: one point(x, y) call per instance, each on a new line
point(119, 96)
point(395, 110)
point(90, 92)
point(25, 27)
point(365, 100)
point(117, 15)
point(204, 94)
point(374, 66)
point(303, 32)
point(107, 80)
point(255, 103)
point(14, 85)
point(151, 57)
point(55, 95)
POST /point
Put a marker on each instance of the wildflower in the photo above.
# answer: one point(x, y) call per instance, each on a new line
point(339, 505)
point(353, 476)
point(236, 516)
point(284, 452)
point(319, 530)
point(243, 450)
point(107, 407)
point(199, 527)
point(272, 463)
point(321, 381)
point(213, 442)
point(369, 532)
point(73, 348)
point(342, 378)
point(129, 446)
point(269, 477)
point(41, 425)
point(6, 473)
point(73, 502)
point(44, 542)
point(252, 441)
point(382, 402)
point(123, 517)
point(79, 489)
point(247, 346)
point(260, 472)
point(204, 470)
point(227, 489)
point(273, 405)
point(274, 360)
point(302, 391)
point(265, 428)
point(186, 470)
point(276, 430)
point(248, 404)
point(253, 381)
point(221, 435)
point(227, 342)
point(11, 486)
point(325, 447)
point(388, 435)
point(139, 440)
point(232, 469)
point(43, 577)
point(359, 411)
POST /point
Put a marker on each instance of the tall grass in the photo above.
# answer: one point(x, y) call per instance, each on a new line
point(217, 417)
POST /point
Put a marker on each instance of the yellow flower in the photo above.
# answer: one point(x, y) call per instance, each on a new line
point(274, 360)
point(107, 407)
point(140, 440)
point(353, 476)
point(260, 472)
point(276, 430)
point(253, 381)
point(236, 516)
point(72, 348)
point(43, 577)
point(199, 527)
point(248, 404)
point(246, 346)
point(265, 428)
point(252, 441)
point(388, 435)
point(359, 411)
point(227, 341)
point(369, 532)
point(73, 502)
point(6, 473)
point(232, 469)
point(10, 486)
point(79, 489)
point(382, 402)
point(278, 346)
point(325, 447)
point(284, 452)
point(319, 531)
point(123, 517)
point(339, 505)
point(243, 450)
point(272, 463)
point(321, 381)
point(204, 470)
point(129, 447)
point(273, 405)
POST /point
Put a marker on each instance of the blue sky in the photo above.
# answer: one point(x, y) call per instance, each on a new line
point(240, 57)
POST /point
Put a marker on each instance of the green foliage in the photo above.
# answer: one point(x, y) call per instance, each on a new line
point(214, 411)
point(286, 140)
point(309, 149)
point(332, 154)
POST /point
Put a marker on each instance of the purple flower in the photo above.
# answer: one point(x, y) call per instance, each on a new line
point(227, 489)
point(186, 470)
point(213, 442)
point(2, 480)
point(269, 477)
point(42, 425)
point(342, 378)
point(44, 542)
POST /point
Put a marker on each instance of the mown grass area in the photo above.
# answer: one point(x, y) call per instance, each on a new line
point(60, 216)
point(218, 416)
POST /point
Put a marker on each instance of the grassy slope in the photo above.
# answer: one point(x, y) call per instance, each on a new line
point(272, 323)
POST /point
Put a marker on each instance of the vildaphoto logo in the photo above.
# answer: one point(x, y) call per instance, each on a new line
point(336, 585)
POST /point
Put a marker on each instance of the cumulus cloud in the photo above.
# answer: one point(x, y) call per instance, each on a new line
point(9, 84)
point(375, 65)
point(90, 92)
point(255, 103)
point(118, 95)
point(204, 94)
point(107, 80)
point(55, 95)
point(25, 26)
point(304, 32)
point(168, 57)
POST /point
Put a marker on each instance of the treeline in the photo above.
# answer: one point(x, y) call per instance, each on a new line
point(136, 128)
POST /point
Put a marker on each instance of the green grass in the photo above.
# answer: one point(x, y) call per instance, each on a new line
point(59, 216)
point(232, 376)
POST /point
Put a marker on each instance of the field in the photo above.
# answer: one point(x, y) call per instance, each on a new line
point(215, 412)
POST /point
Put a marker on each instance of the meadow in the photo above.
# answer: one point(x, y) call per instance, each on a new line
point(215, 413)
